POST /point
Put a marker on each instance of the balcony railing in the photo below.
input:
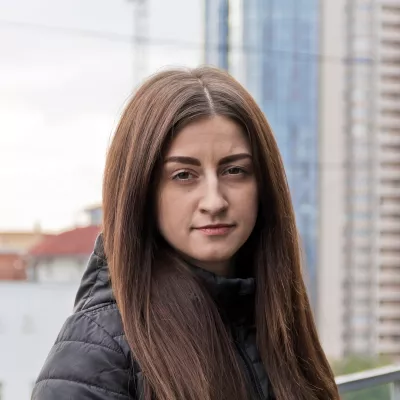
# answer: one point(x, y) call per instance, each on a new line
point(371, 378)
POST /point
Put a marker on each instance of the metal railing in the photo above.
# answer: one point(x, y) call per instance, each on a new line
point(371, 378)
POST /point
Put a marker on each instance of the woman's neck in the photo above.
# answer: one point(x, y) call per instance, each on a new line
point(222, 268)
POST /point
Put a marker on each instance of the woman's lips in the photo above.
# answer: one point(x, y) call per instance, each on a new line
point(216, 230)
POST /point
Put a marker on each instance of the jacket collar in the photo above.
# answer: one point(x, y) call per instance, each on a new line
point(95, 287)
point(234, 296)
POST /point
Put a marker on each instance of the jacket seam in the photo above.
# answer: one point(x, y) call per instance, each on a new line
point(109, 335)
point(87, 343)
point(100, 307)
point(118, 335)
point(80, 382)
point(99, 255)
point(95, 310)
point(94, 284)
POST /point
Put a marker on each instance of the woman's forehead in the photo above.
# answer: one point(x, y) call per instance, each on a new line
point(211, 135)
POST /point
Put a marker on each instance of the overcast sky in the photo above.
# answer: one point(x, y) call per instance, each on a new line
point(62, 88)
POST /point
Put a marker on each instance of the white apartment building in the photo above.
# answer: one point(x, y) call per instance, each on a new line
point(31, 316)
point(358, 306)
point(33, 311)
point(371, 284)
point(330, 306)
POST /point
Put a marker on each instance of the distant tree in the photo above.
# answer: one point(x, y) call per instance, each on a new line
point(354, 364)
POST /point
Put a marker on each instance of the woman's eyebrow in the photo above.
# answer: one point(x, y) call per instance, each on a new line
point(183, 160)
point(196, 162)
point(234, 157)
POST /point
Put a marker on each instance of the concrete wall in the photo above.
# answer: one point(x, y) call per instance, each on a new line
point(329, 304)
point(31, 315)
point(58, 269)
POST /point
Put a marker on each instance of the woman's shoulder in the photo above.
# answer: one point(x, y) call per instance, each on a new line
point(100, 325)
point(96, 318)
point(89, 356)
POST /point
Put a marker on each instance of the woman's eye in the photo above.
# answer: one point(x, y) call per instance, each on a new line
point(234, 171)
point(182, 176)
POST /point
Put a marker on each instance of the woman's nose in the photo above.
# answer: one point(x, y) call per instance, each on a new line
point(213, 200)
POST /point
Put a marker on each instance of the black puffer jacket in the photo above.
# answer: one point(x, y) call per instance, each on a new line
point(92, 360)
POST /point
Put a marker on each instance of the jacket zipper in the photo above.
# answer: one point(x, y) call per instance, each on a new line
point(250, 371)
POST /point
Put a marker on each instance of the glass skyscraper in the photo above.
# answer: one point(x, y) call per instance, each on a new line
point(217, 33)
point(272, 46)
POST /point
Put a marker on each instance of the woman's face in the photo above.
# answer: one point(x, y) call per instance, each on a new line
point(207, 196)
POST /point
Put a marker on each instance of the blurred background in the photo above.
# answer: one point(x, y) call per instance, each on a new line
point(327, 75)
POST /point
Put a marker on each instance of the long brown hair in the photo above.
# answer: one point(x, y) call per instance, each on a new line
point(171, 324)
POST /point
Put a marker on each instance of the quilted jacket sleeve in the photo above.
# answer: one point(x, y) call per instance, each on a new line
point(85, 362)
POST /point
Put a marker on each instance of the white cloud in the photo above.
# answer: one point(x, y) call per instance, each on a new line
point(61, 96)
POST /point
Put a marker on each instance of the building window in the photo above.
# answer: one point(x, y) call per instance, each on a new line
point(360, 130)
point(361, 73)
point(360, 320)
point(390, 268)
point(363, 302)
point(390, 78)
point(395, 287)
point(360, 95)
point(391, 43)
point(360, 152)
point(392, 9)
point(362, 232)
point(391, 25)
point(364, 5)
point(392, 60)
point(49, 270)
point(361, 198)
point(362, 45)
point(390, 320)
point(390, 250)
point(391, 182)
point(390, 95)
point(360, 113)
point(361, 215)
point(390, 215)
point(390, 112)
point(392, 165)
point(27, 326)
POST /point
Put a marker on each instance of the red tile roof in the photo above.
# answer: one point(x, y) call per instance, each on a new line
point(12, 266)
point(79, 241)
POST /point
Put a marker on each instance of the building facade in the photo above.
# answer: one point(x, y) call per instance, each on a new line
point(12, 265)
point(28, 328)
point(336, 116)
point(216, 50)
point(372, 254)
point(331, 269)
point(20, 241)
point(289, 54)
point(39, 306)
point(13, 246)
point(272, 49)
point(62, 258)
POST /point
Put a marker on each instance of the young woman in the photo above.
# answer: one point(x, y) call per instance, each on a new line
point(205, 299)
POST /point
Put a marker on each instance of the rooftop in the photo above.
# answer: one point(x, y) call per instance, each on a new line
point(78, 241)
